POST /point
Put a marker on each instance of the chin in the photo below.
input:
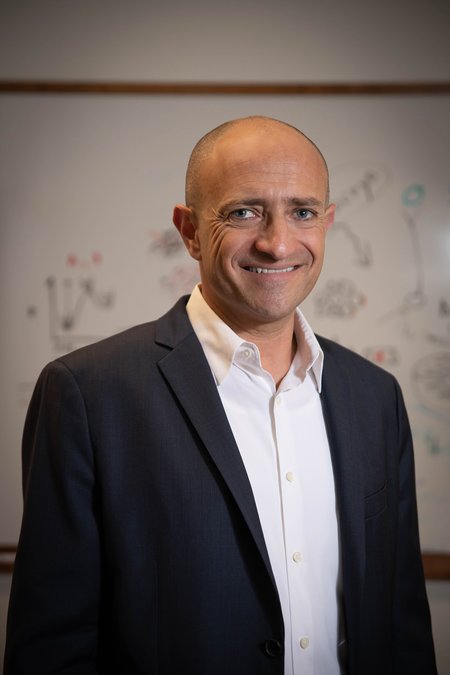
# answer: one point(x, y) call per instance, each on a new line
point(266, 315)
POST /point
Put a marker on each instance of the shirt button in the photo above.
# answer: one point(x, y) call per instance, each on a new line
point(278, 400)
point(290, 476)
point(247, 353)
point(304, 642)
point(297, 557)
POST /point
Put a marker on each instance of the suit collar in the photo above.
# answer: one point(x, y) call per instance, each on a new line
point(174, 326)
point(188, 374)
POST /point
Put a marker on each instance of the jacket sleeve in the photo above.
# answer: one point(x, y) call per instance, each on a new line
point(54, 604)
point(412, 637)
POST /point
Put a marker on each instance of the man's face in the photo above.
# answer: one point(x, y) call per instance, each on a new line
point(258, 228)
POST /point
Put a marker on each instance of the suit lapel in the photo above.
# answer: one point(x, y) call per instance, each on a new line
point(338, 407)
point(187, 372)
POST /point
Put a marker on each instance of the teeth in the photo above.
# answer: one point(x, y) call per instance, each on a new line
point(269, 270)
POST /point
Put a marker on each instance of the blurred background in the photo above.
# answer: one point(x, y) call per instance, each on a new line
point(88, 182)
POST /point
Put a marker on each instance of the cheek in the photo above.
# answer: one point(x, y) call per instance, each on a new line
point(213, 254)
point(230, 246)
point(314, 241)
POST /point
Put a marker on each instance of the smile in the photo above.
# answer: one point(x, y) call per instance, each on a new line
point(270, 270)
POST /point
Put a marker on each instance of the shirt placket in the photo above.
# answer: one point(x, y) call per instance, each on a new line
point(296, 554)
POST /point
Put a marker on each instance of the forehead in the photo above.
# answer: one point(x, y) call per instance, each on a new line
point(242, 162)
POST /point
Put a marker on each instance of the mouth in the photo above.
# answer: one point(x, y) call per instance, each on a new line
point(270, 270)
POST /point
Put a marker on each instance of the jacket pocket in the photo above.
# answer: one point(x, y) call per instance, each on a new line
point(375, 503)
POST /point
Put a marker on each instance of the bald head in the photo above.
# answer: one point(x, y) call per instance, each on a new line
point(245, 126)
point(255, 219)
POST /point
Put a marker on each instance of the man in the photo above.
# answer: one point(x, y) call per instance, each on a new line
point(218, 492)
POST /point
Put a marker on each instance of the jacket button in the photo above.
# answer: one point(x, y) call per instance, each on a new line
point(273, 648)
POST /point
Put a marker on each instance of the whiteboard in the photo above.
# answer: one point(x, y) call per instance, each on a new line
point(87, 248)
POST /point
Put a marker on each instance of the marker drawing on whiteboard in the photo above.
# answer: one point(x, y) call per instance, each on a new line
point(431, 380)
point(338, 298)
point(434, 445)
point(167, 242)
point(444, 308)
point(182, 279)
point(444, 311)
point(357, 185)
point(382, 355)
point(438, 340)
point(361, 249)
point(412, 198)
point(68, 300)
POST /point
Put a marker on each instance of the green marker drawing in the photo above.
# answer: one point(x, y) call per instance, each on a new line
point(413, 195)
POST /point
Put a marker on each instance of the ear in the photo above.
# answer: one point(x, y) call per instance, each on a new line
point(184, 221)
point(329, 215)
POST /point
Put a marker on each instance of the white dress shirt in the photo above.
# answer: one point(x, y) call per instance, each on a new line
point(281, 436)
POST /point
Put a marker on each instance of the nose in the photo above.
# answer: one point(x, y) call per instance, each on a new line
point(276, 238)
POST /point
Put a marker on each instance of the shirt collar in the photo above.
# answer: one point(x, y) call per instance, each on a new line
point(220, 343)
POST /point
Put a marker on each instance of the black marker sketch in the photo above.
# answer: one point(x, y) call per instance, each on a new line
point(68, 301)
point(444, 314)
point(444, 311)
point(31, 311)
point(361, 249)
point(438, 340)
point(339, 298)
point(182, 280)
point(167, 242)
point(383, 355)
point(444, 308)
point(431, 379)
point(66, 306)
point(357, 185)
point(417, 295)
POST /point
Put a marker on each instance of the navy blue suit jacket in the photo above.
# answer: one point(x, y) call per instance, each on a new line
point(141, 551)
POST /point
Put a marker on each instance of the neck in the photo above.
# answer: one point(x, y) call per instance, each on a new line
point(275, 339)
point(277, 349)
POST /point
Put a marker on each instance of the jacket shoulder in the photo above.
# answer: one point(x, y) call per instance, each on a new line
point(354, 364)
point(114, 349)
point(134, 348)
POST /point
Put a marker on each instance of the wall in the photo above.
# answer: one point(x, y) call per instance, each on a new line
point(241, 40)
point(249, 40)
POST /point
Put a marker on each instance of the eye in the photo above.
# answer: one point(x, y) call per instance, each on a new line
point(242, 214)
point(304, 214)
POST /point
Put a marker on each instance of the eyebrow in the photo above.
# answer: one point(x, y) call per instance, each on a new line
point(292, 201)
point(305, 201)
